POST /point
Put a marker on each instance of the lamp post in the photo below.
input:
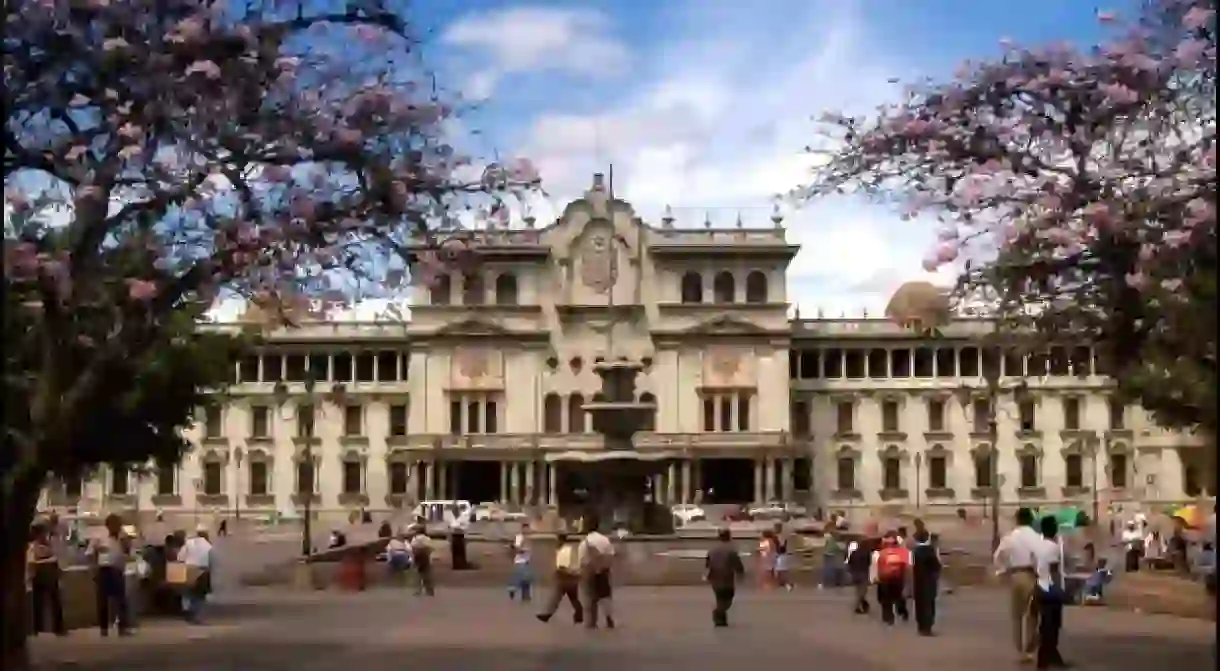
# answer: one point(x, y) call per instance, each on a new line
point(918, 484)
point(992, 390)
point(237, 457)
point(198, 482)
point(306, 456)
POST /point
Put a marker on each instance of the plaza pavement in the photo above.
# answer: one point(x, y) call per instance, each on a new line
point(478, 629)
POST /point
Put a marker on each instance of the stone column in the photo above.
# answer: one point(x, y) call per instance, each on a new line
point(760, 493)
point(429, 480)
point(686, 482)
point(789, 467)
point(769, 479)
point(671, 484)
point(514, 482)
point(552, 494)
point(504, 493)
point(531, 493)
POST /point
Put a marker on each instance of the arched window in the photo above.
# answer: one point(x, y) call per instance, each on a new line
point(576, 414)
point(756, 287)
point(724, 288)
point(692, 287)
point(442, 291)
point(552, 414)
point(472, 290)
point(650, 423)
point(506, 289)
point(846, 473)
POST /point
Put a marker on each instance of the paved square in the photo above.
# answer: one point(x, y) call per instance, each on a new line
point(670, 628)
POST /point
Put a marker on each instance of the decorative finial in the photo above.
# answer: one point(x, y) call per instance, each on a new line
point(798, 312)
point(599, 182)
point(529, 220)
point(707, 219)
point(667, 220)
point(740, 223)
point(865, 313)
point(777, 217)
point(820, 313)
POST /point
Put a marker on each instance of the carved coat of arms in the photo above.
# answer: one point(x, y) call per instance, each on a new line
point(598, 261)
point(725, 362)
point(472, 363)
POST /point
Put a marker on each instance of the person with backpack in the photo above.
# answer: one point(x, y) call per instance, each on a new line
point(595, 556)
point(889, 567)
point(925, 580)
point(858, 560)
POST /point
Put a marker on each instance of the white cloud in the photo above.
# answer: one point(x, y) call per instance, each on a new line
point(524, 39)
point(719, 130)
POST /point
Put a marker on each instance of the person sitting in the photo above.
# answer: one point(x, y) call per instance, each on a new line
point(1095, 584)
point(398, 553)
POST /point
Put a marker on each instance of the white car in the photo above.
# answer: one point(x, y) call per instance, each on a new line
point(685, 513)
point(777, 510)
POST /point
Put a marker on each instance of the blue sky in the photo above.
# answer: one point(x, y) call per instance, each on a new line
point(705, 105)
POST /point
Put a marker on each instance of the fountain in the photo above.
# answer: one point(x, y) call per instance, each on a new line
point(617, 478)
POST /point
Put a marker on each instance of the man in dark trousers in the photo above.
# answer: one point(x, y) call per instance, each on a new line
point(722, 570)
point(925, 580)
point(890, 566)
point(859, 557)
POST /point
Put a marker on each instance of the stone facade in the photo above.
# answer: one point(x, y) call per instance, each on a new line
point(468, 397)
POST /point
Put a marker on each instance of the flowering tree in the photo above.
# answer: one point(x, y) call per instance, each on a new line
point(160, 152)
point(1077, 189)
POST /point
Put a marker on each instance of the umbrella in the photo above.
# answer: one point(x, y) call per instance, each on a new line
point(1190, 515)
point(1066, 517)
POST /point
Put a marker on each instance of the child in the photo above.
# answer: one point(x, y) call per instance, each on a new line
point(1095, 585)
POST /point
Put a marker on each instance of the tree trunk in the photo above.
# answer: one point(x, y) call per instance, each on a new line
point(19, 499)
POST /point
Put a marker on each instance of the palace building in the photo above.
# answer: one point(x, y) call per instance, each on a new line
point(470, 396)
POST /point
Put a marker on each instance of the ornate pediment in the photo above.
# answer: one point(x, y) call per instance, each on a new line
point(473, 327)
point(726, 325)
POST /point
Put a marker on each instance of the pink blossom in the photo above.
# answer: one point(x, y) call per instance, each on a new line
point(947, 252)
point(131, 151)
point(130, 131)
point(1117, 94)
point(1171, 285)
point(85, 340)
point(115, 44)
point(1198, 17)
point(1191, 51)
point(1137, 281)
point(349, 137)
point(304, 208)
point(1176, 238)
point(79, 100)
point(277, 173)
point(205, 68)
point(1107, 16)
point(1098, 214)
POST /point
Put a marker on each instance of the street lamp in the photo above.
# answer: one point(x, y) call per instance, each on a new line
point(992, 390)
point(237, 457)
point(306, 456)
point(918, 485)
point(198, 482)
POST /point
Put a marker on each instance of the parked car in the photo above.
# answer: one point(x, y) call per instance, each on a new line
point(775, 510)
point(685, 513)
point(738, 514)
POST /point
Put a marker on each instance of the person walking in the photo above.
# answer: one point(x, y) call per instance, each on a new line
point(925, 580)
point(889, 568)
point(1050, 596)
point(595, 557)
point(421, 558)
point(43, 570)
point(766, 559)
point(858, 562)
point(522, 579)
point(109, 555)
point(783, 560)
point(196, 554)
point(1016, 557)
point(1133, 547)
point(722, 570)
point(567, 581)
point(832, 561)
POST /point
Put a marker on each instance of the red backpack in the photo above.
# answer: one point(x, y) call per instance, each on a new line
point(892, 563)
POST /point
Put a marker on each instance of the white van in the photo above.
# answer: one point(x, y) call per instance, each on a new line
point(443, 511)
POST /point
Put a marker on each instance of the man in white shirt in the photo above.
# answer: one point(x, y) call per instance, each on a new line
point(109, 555)
point(595, 556)
point(421, 557)
point(1133, 546)
point(1049, 563)
point(196, 553)
point(1016, 557)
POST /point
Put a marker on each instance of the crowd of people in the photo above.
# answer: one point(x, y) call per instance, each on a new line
point(179, 565)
